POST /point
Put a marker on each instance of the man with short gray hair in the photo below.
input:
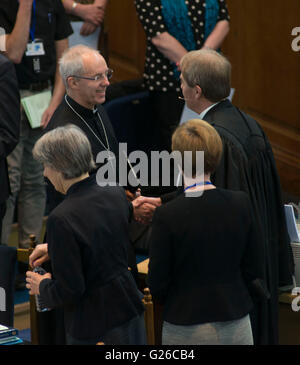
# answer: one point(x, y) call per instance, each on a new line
point(247, 164)
point(86, 76)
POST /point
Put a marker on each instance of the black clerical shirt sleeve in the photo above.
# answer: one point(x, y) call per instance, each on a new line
point(67, 284)
point(9, 108)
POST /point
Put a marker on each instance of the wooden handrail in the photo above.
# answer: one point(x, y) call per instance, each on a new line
point(23, 256)
point(149, 317)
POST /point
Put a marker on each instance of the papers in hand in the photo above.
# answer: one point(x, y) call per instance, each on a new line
point(291, 223)
point(34, 107)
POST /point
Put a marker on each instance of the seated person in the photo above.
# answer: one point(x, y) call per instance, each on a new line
point(87, 244)
point(205, 265)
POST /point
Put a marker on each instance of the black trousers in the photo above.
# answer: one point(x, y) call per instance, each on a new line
point(2, 214)
point(132, 332)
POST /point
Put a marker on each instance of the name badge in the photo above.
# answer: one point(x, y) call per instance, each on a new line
point(35, 49)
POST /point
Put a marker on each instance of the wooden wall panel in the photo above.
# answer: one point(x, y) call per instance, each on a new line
point(266, 71)
point(266, 76)
point(126, 40)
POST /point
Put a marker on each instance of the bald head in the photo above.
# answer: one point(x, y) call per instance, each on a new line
point(209, 70)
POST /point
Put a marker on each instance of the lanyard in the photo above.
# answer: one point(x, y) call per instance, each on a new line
point(32, 27)
point(198, 184)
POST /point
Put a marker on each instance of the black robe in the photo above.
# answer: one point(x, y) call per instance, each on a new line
point(248, 164)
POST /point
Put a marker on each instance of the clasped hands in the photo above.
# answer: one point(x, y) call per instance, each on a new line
point(93, 16)
point(143, 207)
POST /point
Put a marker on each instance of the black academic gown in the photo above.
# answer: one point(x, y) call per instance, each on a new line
point(248, 164)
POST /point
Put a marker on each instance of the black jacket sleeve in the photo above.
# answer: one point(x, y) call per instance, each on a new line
point(9, 108)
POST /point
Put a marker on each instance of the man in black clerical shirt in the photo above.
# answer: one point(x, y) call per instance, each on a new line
point(247, 164)
point(86, 77)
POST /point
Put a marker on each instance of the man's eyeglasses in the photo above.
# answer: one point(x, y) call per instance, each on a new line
point(107, 74)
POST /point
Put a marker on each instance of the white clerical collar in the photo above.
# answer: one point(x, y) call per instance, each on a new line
point(202, 115)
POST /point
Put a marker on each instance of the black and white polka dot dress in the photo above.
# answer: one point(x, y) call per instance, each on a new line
point(158, 72)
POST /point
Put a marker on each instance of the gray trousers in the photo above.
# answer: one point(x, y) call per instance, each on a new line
point(236, 332)
point(27, 183)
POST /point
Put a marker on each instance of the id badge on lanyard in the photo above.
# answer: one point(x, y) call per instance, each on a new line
point(35, 48)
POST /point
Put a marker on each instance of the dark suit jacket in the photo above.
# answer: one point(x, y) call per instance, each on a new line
point(9, 120)
point(204, 257)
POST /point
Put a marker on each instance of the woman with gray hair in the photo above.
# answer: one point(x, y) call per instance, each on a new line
point(88, 254)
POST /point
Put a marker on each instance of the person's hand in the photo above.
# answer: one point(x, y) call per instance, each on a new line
point(33, 281)
point(92, 13)
point(144, 207)
point(87, 29)
point(47, 116)
point(39, 255)
point(131, 196)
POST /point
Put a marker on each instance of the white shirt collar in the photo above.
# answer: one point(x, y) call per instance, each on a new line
point(202, 115)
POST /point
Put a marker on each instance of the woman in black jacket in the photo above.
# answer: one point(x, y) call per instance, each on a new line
point(204, 262)
point(87, 236)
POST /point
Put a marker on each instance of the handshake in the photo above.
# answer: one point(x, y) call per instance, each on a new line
point(143, 207)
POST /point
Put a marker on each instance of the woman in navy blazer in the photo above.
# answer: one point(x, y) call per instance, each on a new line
point(204, 262)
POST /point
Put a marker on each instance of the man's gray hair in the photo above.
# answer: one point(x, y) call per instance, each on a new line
point(66, 150)
point(210, 70)
point(71, 62)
